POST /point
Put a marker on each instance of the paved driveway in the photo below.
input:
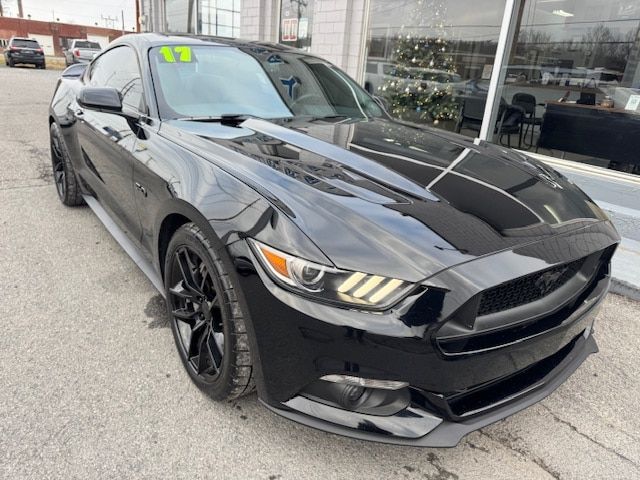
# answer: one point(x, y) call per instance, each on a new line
point(91, 387)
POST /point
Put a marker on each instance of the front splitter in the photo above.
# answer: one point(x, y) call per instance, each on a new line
point(441, 433)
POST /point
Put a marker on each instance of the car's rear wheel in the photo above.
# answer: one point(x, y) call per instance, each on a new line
point(64, 175)
point(206, 319)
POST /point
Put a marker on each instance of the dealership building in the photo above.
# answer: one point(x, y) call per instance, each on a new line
point(555, 78)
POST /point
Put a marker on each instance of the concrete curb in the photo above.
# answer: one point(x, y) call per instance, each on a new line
point(625, 270)
point(625, 289)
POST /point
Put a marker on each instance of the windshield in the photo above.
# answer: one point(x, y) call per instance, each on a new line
point(25, 43)
point(210, 81)
point(85, 44)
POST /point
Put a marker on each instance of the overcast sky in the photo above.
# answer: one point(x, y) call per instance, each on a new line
point(80, 12)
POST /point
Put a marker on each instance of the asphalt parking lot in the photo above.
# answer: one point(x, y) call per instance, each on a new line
point(91, 387)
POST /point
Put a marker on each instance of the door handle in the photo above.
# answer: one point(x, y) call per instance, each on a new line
point(141, 189)
point(79, 112)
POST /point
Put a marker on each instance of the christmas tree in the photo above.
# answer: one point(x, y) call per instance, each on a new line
point(422, 87)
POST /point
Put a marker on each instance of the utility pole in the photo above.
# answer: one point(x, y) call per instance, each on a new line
point(137, 15)
point(122, 15)
point(20, 12)
point(1, 11)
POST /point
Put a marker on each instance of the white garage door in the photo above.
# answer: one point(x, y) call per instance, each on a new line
point(102, 40)
point(45, 41)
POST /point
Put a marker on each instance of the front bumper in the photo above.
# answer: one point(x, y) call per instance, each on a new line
point(296, 342)
point(419, 428)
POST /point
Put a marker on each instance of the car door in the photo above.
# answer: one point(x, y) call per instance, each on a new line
point(108, 139)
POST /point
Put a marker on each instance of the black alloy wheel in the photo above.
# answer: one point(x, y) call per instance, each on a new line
point(196, 313)
point(206, 316)
point(64, 175)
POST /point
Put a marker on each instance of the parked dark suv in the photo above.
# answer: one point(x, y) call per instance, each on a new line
point(24, 50)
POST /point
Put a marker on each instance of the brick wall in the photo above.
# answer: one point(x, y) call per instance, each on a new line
point(21, 27)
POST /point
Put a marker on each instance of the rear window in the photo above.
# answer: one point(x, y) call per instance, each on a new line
point(25, 43)
point(88, 45)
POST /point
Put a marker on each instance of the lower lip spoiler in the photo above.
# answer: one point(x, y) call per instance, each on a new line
point(400, 429)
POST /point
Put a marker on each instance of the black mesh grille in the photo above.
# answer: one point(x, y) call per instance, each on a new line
point(527, 289)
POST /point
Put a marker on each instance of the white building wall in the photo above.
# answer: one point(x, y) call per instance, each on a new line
point(259, 20)
point(338, 31)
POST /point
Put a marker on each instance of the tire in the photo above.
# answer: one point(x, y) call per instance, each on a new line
point(11, 63)
point(206, 319)
point(64, 174)
point(41, 66)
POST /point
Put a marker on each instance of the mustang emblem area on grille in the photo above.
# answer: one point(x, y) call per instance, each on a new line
point(546, 281)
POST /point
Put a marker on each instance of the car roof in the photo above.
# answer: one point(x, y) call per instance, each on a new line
point(149, 40)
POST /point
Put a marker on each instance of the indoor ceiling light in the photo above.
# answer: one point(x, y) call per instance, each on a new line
point(562, 13)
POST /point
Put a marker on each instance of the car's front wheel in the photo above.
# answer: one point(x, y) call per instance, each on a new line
point(11, 63)
point(206, 318)
point(64, 174)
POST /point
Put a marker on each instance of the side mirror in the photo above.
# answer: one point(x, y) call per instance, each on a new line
point(103, 99)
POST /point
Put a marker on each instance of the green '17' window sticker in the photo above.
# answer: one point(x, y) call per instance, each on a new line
point(175, 54)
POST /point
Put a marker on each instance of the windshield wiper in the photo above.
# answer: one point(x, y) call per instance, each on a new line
point(224, 119)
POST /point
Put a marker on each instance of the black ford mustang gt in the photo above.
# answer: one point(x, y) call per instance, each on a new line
point(368, 277)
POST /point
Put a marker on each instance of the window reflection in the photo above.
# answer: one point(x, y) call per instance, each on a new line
point(296, 17)
point(431, 61)
point(573, 78)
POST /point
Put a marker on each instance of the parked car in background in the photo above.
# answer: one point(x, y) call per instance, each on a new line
point(380, 73)
point(81, 51)
point(24, 51)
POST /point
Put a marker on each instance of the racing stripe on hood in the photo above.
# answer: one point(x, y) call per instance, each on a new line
point(349, 159)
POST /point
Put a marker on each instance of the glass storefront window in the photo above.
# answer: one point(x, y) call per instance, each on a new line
point(220, 17)
point(206, 17)
point(180, 16)
point(296, 18)
point(430, 61)
point(571, 85)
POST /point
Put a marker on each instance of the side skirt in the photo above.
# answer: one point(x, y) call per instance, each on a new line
point(127, 245)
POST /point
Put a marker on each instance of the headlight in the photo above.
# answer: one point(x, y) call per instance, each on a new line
point(328, 283)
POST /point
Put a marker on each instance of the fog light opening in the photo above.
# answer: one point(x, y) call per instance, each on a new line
point(358, 395)
point(365, 382)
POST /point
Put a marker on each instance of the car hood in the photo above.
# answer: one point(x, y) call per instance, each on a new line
point(394, 199)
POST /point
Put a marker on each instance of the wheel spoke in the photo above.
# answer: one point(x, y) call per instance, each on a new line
point(187, 269)
point(215, 343)
point(181, 292)
point(203, 275)
point(184, 314)
point(206, 360)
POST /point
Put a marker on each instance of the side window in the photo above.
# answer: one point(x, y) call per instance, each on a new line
point(118, 68)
